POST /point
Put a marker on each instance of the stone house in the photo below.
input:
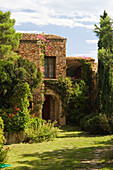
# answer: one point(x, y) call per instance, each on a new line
point(55, 67)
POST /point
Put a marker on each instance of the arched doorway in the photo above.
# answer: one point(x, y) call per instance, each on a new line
point(52, 107)
point(46, 108)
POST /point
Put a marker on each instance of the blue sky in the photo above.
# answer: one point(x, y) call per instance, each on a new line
point(72, 19)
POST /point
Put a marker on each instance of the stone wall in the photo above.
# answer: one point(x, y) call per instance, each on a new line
point(15, 137)
point(58, 49)
point(29, 48)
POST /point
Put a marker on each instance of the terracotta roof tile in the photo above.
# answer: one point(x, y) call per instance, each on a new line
point(79, 58)
point(29, 36)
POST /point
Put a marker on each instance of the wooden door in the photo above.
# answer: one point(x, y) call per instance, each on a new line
point(46, 108)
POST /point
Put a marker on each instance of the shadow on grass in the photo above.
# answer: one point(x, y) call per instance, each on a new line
point(65, 158)
point(68, 128)
point(108, 142)
point(68, 159)
point(77, 134)
point(74, 131)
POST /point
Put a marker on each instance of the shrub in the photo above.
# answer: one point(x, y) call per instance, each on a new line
point(111, 123)
point(14, 122)
point(38, 130)
point(3, 154)
point(3, 150)
point(80, 116)
point(98, 125)
point(74, 118)
point(1, 125)
point(2, 139)
point(86, 118)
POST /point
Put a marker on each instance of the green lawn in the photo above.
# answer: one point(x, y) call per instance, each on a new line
point(73, 149)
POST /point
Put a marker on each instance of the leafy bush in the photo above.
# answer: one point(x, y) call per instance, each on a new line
point(3, 154)
point(111, 123)
point(74, 118)
point(98, 125)
point(79, 117)
point(2, 139)
point(38, 130)
point(3, 150)
point(86, 118)
point(16, 121)
point(18, 78)
point(1, 125)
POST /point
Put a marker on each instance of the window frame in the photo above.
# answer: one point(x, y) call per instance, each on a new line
point(48, 64)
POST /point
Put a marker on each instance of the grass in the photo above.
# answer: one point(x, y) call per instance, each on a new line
point(73, 149)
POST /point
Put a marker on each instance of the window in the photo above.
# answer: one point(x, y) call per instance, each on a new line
point(49, 67)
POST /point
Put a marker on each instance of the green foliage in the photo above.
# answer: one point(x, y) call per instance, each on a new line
point(2, 139)
point(38, 130)
point(1, 125)
point(104, 32)
point(105, 65)
point(4, 154)
point(18, 78)
point(98, 124)
point(74, 96)
point(105, 83)
point(9, 39)
point(15, 120)
point(3, 150)
point(43, 52)
point(16, 74)
point(63, 87)
point(86, 118)
point(79, 103)
point(86, 73)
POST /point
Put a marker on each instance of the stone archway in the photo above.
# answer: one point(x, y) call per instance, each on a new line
point(52, 107)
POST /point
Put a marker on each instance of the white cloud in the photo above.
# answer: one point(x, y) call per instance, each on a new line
point(43, 19)
point(91, 41)
point(22, 31)
point(74, 13)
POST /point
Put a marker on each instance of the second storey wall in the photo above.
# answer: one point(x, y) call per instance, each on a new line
point(30, 49)
point(58, 49)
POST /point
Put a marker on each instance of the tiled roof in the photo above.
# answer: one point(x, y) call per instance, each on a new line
point(29, 36)
point(79, 58)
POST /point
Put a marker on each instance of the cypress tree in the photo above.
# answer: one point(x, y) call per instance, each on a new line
point(9, 39)
point(105, 64)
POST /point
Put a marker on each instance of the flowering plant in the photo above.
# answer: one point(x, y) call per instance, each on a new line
point(38, 130)
point(44, 47)
point(3, 150)
point(3, 154)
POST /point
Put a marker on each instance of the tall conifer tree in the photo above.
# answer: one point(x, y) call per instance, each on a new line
point(105, 64)
point(9, 39)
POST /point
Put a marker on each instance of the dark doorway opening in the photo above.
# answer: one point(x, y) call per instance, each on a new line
point(46, 108)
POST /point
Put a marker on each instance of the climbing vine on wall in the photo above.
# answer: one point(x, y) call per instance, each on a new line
point(43, 52)
point(73, 95)
point(86, 73)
